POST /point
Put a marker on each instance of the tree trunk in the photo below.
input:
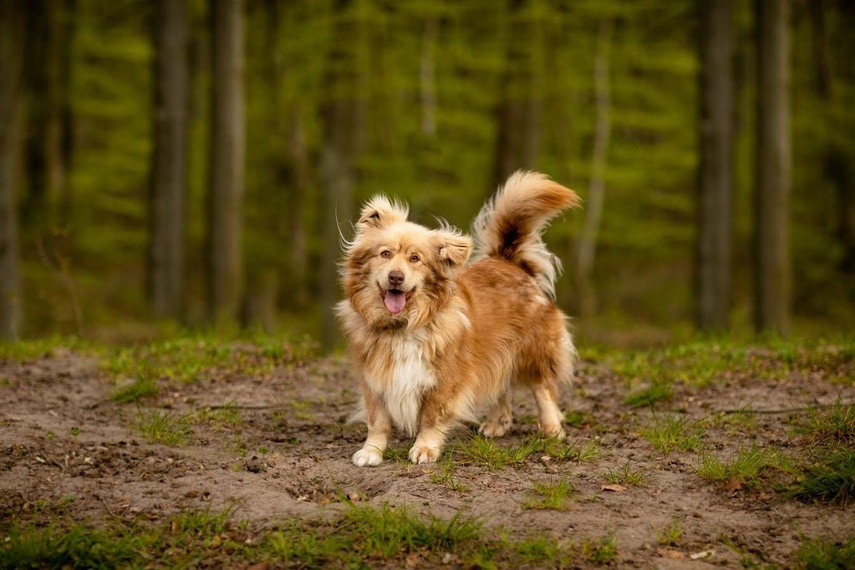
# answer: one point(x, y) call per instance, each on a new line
point(519, 112)
point(715, 169)
point(37, 67)
point(11, 117)
point(342, 118)
point(226, 166)
point(169, 162)
point(597, 187)
point(772, 288)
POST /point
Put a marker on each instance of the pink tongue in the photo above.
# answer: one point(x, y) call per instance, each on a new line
point(395, 301)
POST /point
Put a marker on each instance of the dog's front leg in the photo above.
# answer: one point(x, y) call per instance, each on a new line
point(379, 427)
point(435, 421)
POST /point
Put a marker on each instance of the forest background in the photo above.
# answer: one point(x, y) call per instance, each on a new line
point(185, 163)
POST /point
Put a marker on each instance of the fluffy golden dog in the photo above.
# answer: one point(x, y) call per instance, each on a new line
point(434, 338)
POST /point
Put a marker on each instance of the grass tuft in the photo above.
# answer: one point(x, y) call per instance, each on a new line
point(550, 496)
point(821, 555)
point(159, 426)
point(830, 479)
point(743, 471)
point(659, 390)
point(626, 475)
point(670, 432)
point(77, 547)
point(828, 426)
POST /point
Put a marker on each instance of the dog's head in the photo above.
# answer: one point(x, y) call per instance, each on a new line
point(396, 272)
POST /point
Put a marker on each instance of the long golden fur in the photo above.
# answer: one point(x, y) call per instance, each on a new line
point(434, 338)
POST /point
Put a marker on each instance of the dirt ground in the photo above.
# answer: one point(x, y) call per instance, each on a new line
point(65, 440)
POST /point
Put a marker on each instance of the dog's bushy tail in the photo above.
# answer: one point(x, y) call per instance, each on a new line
point(510, 224)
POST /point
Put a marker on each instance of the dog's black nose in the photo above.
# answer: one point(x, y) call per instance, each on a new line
point(396, 278)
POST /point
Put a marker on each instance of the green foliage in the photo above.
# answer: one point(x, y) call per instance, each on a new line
point(366, 533)
point(626, 475)
point(744, 470)
point(668, 433)
point(87, 271)
point(550, 495)
point(829, 477)
point(188, 357)
point(820, 554)
point(487, 452)
point(161, 427)
point(830, 425)
point(600, 551)
point(77, 547)
point(656, 392)
point(671, 534)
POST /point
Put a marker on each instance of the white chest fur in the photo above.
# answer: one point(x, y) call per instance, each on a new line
point(403, 381)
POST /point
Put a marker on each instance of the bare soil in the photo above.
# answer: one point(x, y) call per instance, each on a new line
point(65, 441)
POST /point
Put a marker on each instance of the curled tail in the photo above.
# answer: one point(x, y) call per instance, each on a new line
point(510, 224)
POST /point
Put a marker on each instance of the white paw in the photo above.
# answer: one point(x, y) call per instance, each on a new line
point(495, 429)
point(369, 456)
point(424, 454)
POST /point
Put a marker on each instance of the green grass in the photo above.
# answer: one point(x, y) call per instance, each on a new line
point(626, 475)
point(819, 554)
point(670, 432)
point(75, 547)
point(830, 477)
point(144, 386)
point(670, 535)
point(744, 470)
point(835, 424)
point(188, 357)
point(658, 390)
point(491, 455)
point(443, 474)
point(161, 427)
point(25, 350)
point(550, 495)
point(600, 551)
point(705, 361)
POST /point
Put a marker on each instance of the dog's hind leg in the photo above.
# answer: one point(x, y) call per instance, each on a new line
point(379, 427)
point(499, 418)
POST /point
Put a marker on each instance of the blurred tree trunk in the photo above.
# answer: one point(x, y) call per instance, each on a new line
point(298, 290)
point(597, 187)
point(519, 111)
point(167, 194)
point(226, 168)
point(715, 169)
point(63, 144)
point(837, 168)
point(267, 201)
point(342, 117)
point(37, 68)
point(772, 287)
point(12, 23)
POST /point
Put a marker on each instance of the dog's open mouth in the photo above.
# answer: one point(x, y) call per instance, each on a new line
point(395, 300)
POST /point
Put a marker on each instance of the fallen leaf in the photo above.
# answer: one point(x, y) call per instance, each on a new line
point(613, 488)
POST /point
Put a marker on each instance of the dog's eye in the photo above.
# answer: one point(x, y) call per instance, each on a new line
point(415, 258)
point(386, 253)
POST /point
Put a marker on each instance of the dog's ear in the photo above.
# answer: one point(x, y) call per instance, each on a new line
point(454, 247)
point(379, 212)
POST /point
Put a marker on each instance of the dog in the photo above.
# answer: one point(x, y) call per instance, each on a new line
point(434, 337)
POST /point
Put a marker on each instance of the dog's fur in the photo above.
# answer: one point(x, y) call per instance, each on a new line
point(434, 338)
